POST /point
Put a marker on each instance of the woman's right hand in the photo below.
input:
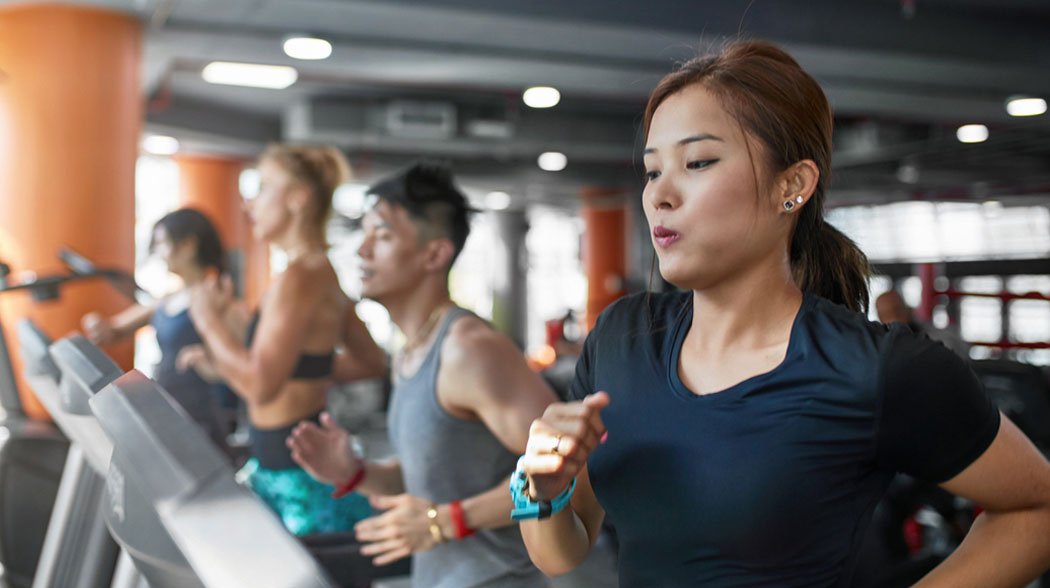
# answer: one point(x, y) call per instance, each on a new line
point(97, 328)
point(211, 298)
point(560, 442)
point(324, 452)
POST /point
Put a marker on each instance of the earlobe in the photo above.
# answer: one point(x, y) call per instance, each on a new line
point(789, 205)
point(297, 201)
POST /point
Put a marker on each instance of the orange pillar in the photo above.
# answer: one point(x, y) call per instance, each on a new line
point(212, 185)
point(70, 113)
point(604, 248)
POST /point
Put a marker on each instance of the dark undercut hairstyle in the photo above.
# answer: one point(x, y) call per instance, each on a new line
point(437, 207)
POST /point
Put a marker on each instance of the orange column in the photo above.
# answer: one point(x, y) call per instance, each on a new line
point(604, 248)
point(70, 113)
point(212, 185)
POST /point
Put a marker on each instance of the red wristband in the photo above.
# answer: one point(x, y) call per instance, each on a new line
point(354, 481)
point(455, 512)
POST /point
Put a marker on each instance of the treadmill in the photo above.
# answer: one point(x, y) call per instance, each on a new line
point(173, 505)
point(78, 551)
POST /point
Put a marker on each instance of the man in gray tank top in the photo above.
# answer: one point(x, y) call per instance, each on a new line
point(462, 405)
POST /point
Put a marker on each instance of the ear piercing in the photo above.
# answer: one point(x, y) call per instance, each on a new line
point(789, 205)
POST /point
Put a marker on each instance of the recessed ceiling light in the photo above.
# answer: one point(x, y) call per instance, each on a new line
point(541, 97)
point(1026, 106)
point(552, 161)
point(972, 133)
point(308, 48)
point(160, 145)
point(276, 77)
point(497, 200)
point(908, 172)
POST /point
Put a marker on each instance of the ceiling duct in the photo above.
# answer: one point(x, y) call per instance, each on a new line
point(483, 128)
point(421, 120)
point(447, 129)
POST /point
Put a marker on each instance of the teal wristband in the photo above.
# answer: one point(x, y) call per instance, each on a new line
point(526, 508)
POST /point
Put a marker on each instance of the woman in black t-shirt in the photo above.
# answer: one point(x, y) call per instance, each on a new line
point(741, 432)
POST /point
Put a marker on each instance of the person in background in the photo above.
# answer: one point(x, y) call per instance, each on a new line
point(891, 308)
point(566, 350)
point(282, 366)
point(460, 410)
point(188, 244)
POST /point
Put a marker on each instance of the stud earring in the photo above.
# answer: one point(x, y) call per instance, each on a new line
point(799, 199)
point(789, 205)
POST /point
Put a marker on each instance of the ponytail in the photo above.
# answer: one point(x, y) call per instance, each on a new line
point(829, 264)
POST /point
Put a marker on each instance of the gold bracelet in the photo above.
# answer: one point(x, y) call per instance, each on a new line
point(435, 528)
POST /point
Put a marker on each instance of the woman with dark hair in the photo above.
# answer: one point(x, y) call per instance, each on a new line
point(188, 244)
point(740, 432)
point(283, 366)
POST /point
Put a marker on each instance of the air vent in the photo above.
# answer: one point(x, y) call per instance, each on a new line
point(490, 129)
point(423, 120)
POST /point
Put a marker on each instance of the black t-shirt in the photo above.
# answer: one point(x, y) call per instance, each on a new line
point(772, 481)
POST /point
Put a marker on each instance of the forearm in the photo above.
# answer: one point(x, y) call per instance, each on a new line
point(123, 331)
point(1002, 550)
point(558, 544)
point(125, 323)
point(382, 478)
point(488, 510)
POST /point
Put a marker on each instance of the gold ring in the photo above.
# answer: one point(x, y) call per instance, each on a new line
point(557, 444)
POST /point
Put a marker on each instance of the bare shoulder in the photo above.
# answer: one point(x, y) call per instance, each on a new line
point(307, 278)
point(471, 339)
point(476, 352)
point(482, 371)
point(478, 363)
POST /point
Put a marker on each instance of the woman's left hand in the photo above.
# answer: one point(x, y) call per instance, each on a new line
point(196, 358)
point(399, 532)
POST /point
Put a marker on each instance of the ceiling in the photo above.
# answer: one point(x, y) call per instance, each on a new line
point(901, 76)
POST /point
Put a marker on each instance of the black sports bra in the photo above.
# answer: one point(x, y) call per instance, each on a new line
point(310, 366)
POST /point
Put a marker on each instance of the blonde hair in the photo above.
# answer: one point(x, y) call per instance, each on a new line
point(321, 169)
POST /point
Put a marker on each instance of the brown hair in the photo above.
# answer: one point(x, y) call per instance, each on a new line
point(777, 102)
point(321, 169)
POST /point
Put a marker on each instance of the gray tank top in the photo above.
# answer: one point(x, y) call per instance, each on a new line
point(445, 458)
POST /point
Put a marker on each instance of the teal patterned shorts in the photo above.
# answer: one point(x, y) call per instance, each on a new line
point(304, 505)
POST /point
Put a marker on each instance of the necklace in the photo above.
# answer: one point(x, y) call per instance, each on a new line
point(422, 335)
point(424, 331)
